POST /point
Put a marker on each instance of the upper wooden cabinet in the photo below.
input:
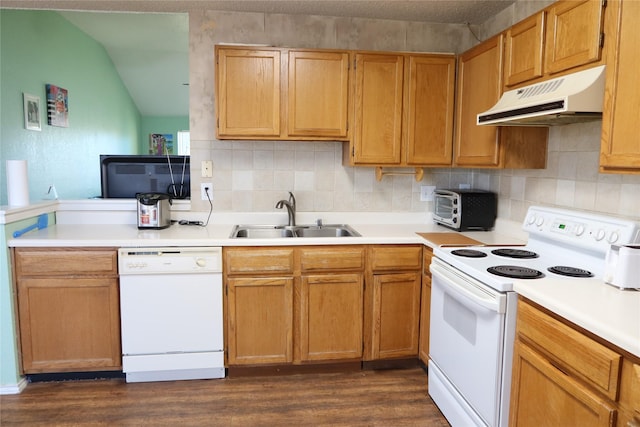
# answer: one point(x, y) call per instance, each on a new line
point(284, 94)
point(479, 88)
point(524, 49)
point(573, 34)
point(248, 92)
point(403, 110)
point(620, 145)
point(565, 36)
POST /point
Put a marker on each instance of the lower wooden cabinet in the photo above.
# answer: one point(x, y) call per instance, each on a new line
point(392, 314)
point(68, 309)
point(562, 376)
point(293, 305)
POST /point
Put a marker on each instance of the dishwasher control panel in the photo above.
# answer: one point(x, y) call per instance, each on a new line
point(169, 260)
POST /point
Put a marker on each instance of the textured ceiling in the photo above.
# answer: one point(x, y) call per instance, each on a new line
point(444, 11)
point(150, 51)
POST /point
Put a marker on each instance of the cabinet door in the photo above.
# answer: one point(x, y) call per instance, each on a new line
point(248, 92)
point(69, 324)
point(524, 48)
point(396, 314)
point(542, 395)
point(318, 94)
point(331, 317)
point(479, 87)
point(425, 307)
point(429, 110)
point(620, 145)
point(377, 136)
point(573, 34)
point(260, 320)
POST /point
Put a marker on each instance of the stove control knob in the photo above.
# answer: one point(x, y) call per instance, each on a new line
point(599, 235)
point(531, 219)
point(613, 237)
point(540, 221)
point(579, 230)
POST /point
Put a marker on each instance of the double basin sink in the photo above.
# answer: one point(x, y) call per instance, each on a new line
point(287, 231)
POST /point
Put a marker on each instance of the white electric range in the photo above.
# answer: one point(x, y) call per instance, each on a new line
point(473, 306)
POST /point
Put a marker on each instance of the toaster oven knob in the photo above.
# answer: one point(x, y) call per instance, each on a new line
point(455, 211)
point(455, 220)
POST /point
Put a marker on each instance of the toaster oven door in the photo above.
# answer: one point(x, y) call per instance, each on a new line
point(446, 209)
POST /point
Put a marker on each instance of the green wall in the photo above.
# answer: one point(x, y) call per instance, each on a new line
point(40, 47)
point(163, 125)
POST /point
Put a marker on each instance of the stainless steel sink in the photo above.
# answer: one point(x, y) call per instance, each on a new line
point(280, 231)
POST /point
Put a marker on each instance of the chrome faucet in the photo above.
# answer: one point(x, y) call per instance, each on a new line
point(291, 208)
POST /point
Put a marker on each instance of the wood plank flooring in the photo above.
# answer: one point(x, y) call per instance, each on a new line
point(364, 398)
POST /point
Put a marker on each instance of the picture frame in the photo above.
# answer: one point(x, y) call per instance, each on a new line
point(32, 112)
point(57, 106)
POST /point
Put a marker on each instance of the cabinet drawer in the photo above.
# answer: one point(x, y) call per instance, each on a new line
point(570, 351)
point(332, 258)
point(258, 260)
point(395, 257)
point(66, 261)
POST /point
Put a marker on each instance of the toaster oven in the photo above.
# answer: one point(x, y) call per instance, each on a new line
point(465, 209)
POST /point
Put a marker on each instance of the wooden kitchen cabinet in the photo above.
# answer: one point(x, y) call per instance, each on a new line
point(524, 50)
point(620, 144)
point(293, 305)
point(479, 88)
point(425, 305)
point(574, 34)
point(403, 110)
point(283, 94)
point(68, 309)
point(562, 375)
point(392, 316)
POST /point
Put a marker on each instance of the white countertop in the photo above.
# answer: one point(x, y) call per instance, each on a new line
point(608, 312)
point(611, 313)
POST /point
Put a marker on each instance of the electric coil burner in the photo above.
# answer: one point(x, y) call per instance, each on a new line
point(514, 253)
point(469, 253)
point(564, 270)
point(516, 272)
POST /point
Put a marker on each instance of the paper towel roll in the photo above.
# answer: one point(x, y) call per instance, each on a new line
point(17, 183)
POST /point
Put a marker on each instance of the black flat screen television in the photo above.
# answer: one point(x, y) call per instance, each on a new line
point(124, 176)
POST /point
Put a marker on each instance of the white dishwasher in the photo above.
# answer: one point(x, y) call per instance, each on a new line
point(171, 313)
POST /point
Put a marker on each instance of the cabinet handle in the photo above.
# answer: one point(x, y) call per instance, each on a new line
point(633, 423)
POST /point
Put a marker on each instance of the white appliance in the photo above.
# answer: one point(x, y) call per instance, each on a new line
point(171, 313)
point(571, 98)
point(473, 306)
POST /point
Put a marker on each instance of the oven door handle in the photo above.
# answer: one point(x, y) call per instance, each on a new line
point(469, 289)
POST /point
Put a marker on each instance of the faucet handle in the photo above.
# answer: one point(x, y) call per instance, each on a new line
point(292, 199)
point(319, 222)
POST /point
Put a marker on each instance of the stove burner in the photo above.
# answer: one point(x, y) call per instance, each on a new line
point(563, 270)
point(515, 271)
point(469, 253)
point(514, 253)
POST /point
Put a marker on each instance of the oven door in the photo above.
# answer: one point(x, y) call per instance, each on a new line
point(466, 347)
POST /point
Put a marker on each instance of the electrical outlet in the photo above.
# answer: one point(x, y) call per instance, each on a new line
point(426, 193)
point(203, 191)
point(207, 168)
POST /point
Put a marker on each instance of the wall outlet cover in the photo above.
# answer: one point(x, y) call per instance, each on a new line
point(464, 186)
point(207, 168)
point(203, 191)
point(426, 193)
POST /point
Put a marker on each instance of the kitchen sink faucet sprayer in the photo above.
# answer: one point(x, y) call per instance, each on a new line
point(291, 208)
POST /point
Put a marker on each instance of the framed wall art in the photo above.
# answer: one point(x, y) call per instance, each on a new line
point(57, 106)
point(31, 105)
point(160, 143)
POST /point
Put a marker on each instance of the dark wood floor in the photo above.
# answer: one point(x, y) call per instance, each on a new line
point(364, 398)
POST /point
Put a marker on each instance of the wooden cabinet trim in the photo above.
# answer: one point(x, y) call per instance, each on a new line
point(66, 261)
point(259, 260)
point(392, 257)
point(336, 258)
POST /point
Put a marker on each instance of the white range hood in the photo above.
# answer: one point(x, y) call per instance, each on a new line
point(571, 98)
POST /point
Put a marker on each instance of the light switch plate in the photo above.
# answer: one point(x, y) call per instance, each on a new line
point(426, 193)
point(207, 168)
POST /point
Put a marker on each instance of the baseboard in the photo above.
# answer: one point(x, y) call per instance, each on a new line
point(14, 388)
